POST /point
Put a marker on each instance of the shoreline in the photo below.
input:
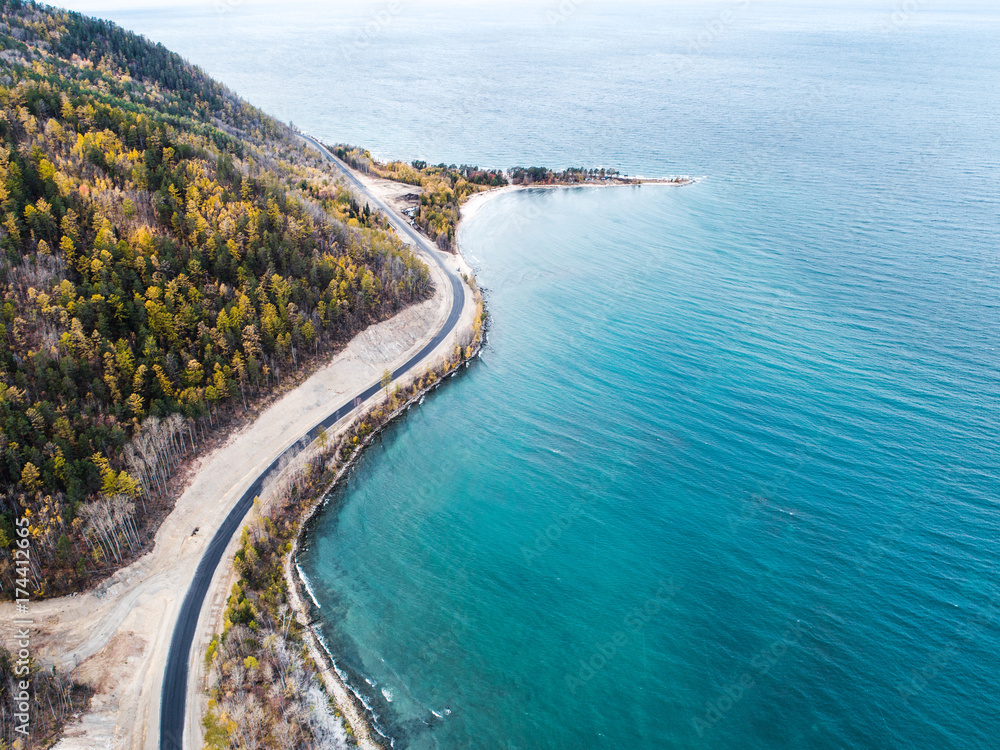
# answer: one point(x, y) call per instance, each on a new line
point(450, 351)
point(475, 202)
point(355, 712)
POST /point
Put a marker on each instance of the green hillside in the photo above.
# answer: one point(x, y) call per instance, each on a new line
point(170, 256)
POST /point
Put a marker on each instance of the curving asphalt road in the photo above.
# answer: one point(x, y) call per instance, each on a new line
point(173, 697)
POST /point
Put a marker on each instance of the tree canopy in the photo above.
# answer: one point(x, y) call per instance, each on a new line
point(445, 188)
point(168, 253)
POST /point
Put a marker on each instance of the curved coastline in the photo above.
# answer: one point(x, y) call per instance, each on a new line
point(357, 712)
point(476, 201)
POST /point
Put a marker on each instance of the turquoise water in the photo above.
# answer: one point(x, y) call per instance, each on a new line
point(726, 473)
point(787, 472)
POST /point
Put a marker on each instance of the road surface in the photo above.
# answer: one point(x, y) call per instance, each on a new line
point(173, 699)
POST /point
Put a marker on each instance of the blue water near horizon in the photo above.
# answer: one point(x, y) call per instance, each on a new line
point(726, 473)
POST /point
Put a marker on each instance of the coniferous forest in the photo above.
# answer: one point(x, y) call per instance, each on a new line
point(170, 256)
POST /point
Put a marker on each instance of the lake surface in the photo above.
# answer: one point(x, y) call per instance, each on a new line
point(726, 475)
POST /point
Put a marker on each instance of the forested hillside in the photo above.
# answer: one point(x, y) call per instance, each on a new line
point(168, 254)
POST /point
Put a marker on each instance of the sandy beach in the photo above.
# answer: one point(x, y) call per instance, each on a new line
point(474, 204)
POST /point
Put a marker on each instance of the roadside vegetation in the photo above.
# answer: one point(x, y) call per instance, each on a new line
point(265, 691)
point(445, 188)
point(570, 176)
point(52, 699)
point(169, 257)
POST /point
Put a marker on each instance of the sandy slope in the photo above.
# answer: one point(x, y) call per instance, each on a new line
point(116, 636)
